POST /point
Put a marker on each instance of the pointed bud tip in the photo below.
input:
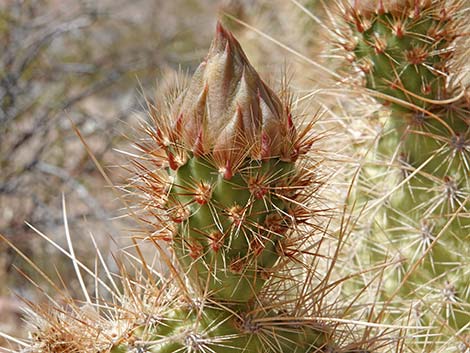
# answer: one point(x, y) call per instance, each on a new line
point(222, 37)
point(220, 31)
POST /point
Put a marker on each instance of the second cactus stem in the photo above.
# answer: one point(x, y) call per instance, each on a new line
point(416, 180)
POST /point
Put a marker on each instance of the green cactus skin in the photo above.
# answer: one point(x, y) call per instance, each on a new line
point(402, 53)
point(419, 171)
point(232, 233)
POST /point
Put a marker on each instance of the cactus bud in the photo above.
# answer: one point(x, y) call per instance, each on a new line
point(231, 150)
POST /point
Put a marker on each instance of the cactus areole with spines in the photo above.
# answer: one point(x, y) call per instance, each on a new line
point(225, 158)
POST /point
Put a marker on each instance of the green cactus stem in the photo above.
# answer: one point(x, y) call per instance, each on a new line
point(419, 171)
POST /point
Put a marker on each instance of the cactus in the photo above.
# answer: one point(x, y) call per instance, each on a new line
point(224, 158)
point(225, 179)
point(227, 183)
point(222, 179)
point(415, 180)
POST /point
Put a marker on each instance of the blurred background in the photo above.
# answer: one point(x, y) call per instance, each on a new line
point(92, 63)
